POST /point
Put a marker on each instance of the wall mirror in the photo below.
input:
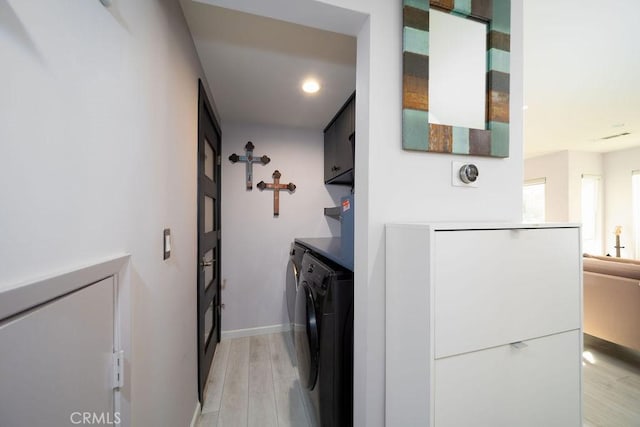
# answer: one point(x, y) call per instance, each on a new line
point(456, 76)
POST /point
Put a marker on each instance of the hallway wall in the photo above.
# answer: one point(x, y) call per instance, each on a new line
point(98, 129)
point(396, 185)
point(255, 244)
point(554, 168)
point(619, 165)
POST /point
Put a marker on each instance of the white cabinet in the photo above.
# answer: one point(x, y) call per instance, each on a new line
point(483, 325)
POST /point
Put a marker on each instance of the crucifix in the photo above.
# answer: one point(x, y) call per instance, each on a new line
point(249, 160)
point(276, 187)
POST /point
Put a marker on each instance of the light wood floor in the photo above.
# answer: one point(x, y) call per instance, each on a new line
point(611, 385)
point(253, 382)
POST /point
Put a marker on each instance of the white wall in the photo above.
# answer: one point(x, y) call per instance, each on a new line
point(395, 185)
point(580, 163)
point(555, 169)
point(255, 244)
point(563, 174)
point(618, 166)
point(98, 128)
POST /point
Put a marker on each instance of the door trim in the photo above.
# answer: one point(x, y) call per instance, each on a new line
point(205, 359)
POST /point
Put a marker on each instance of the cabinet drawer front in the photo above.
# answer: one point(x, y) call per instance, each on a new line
point(499, 286)
point(536, 385)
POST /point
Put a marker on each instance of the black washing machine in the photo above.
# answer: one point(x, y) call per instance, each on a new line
point(323, 332)
point(293, 275)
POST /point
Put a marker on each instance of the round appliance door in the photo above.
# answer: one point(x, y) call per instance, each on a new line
point(291, 289)
point(306, 337)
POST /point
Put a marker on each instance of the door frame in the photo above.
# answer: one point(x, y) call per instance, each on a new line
point(204, 360)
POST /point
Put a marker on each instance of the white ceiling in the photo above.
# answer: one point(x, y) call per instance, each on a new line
point(582, 62)
point(581, 75)
point(255, 67)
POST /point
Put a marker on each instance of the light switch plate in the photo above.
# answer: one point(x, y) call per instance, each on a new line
point(166, 243)
point(455, 176)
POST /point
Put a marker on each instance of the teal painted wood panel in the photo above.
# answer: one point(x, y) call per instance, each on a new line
point(501, 20)
point(416, 41)
point(460, 140)
point(499, 139)
point(462, 7)
point(499, 60)
point(415, 130)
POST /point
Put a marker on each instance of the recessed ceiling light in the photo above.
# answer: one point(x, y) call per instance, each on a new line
point(311, 86)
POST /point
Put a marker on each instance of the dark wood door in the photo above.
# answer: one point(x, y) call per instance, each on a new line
point(209, 303)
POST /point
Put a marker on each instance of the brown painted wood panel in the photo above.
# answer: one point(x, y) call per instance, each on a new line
point(497, 81)
point(498, 107)
point(414, 64)
point(442, 4)
point(498, 40)
point(480, 142)
point(440, 138)
point(482, 9)
point(415, 18)
point(415, 93)
point(415, 79)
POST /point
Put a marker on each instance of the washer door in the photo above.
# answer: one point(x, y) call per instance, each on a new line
point(291, 289)
point(306, 337)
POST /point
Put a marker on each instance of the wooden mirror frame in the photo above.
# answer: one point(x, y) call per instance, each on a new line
point(420, 135)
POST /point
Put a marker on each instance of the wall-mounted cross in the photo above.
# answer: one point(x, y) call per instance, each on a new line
point(276, 187)
point(249, 160)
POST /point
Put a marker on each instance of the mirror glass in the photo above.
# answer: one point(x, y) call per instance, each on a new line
point(457, 70)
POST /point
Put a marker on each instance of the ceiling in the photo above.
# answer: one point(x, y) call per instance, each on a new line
point(255, 67)
point(581, 75)
point(581, 67)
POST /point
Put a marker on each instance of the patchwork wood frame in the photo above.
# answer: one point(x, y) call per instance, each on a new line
point(420, 135)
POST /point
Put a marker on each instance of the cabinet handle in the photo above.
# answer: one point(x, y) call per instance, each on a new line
point(519, 345)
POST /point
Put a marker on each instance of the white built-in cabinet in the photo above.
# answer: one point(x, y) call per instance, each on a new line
point(483, 325)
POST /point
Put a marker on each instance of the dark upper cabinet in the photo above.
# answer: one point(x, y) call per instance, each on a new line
point(339, 145)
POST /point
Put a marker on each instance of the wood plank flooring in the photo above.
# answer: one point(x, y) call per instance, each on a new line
point(253, 382)
point(611, 378)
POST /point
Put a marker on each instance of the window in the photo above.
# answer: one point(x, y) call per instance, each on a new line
point(635, 186)
point(533, 200)
point(591, 214)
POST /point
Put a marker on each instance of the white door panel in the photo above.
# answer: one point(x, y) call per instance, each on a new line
point(56, 360)
point(497, 286)
point(531, 386)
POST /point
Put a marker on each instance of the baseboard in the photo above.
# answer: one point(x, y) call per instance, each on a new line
point(196, 414)
point(262, 330)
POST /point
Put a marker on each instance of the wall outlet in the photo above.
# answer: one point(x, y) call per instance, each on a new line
point(455, 175)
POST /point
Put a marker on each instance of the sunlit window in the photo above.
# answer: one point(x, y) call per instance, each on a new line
point(591, 214)
point(533, 204)
point(635, 185)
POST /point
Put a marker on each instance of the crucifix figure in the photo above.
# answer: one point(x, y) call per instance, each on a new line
point(276, 187)
point(249, 160)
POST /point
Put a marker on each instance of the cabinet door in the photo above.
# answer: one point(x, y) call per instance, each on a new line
point(344, 145)
point(494, 287)
point(537, 385)
point(329, 152)
point(344, 150)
